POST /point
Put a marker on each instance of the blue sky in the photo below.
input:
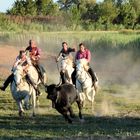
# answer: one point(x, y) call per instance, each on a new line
point(6, 4)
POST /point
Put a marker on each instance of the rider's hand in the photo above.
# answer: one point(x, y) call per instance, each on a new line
point(35, 58)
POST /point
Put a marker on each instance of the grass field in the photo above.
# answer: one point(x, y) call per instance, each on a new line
point(116, 112)
point(114, 117)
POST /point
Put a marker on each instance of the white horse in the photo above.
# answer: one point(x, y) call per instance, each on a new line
point(67, 68)
point(84, 82)
point(21, 90)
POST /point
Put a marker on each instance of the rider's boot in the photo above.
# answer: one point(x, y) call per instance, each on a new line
point(7, 82)
point(42, 72)
point(73, 77)
point(94, 79)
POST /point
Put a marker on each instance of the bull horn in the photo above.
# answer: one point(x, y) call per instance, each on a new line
point(59, 84)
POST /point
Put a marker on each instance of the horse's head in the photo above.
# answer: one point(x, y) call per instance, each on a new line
point(80, 68)
point(18, 74)
point(66, 63)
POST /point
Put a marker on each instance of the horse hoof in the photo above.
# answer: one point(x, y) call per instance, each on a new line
point(21, 113)
point(82, 120)
point(33, 115)
point(72, 115)
point(70, 121)
point(27, 107)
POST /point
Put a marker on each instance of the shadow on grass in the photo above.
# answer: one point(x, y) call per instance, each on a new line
point(55, 127)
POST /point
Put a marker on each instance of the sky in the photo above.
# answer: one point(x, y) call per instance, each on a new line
point(6, 4)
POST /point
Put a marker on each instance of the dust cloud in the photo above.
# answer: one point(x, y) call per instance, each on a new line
point(117, 71)
point(119, 76)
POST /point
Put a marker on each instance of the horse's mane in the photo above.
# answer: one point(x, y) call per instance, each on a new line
point(82, 62)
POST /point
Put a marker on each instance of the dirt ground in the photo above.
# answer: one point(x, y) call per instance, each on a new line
point(7, 57)
point(9, 53)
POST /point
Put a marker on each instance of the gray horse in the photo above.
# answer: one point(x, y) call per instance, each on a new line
point(23, 91)
point(84, 82)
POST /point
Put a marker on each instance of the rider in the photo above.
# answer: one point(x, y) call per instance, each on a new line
point(34, 52)
point(65, 54)
point(21, 60)
point(83, 52)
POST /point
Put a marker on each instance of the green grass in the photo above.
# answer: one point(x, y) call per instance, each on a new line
point(113, 117)
point(117, 107)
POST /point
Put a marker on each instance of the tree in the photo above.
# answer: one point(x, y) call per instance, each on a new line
point(64, 4)
point(23, 8)
point(136, 5)
point(30, 7)
point(127, 15)
point(108, 12)
point(46, 7)
point(18, 8)
point(74, 17)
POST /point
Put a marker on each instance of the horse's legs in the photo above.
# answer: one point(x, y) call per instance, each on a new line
point(20, 108)
point(82, 98)
point(37, 101)
point(90, 95)
point(44, 78)
point(26, 102)
point(87, 92)
point(34, 101)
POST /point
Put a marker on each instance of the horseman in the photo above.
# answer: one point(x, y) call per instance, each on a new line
point(65, 55)
point(34, 53)
point(84, 53)
point(21, 60)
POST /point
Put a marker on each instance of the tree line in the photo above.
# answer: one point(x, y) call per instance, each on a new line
point(82, 14)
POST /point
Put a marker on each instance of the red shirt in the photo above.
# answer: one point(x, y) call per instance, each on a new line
point(86, 55)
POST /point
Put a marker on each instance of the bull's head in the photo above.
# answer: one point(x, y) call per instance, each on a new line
point(52, 91)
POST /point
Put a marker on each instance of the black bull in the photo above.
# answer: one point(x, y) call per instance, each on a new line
point(62, 98)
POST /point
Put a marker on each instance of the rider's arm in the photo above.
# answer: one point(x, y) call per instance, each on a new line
point(17, 61)
point(38, 53)
point(35, 56)
point(59, 56)
point(71, 49)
